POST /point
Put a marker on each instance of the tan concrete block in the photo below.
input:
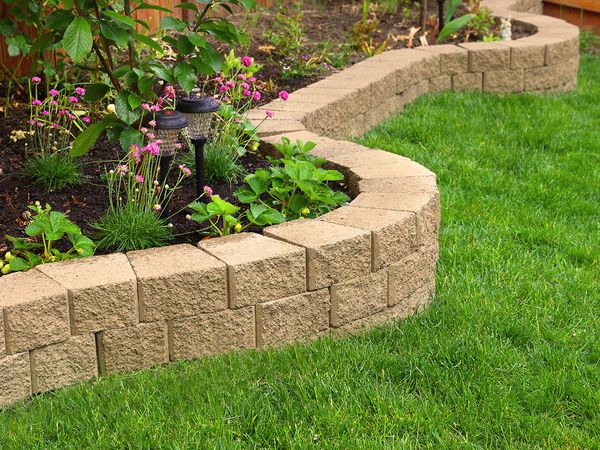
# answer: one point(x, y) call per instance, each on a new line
point(178, 281)
point(441, 83)
point(561, 51)
point(487, 56)
point(257, 116)
point(213, 333)
point(420, 67)
point(467, 82)
point(415, 91)
point(133, 348)
point(426, 207)
point(453, 59)
point(551, 77)
point(15, 378)
point(2, 342)
point(358, 298)
point(504, 81)
point(304, 316)
point(271, 127)
point(35, 311)
point(411, 274)
point(526, 53)
point(102, 291)
point(335, 253)
point(342, 111)
point(69, 362)
point(393, 233)
point(254, 267)
point(421, 184)
point(413, 304)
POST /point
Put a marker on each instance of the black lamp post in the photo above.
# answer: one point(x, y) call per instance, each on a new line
point(169, 125)
point(199, 112)
point(441, 17)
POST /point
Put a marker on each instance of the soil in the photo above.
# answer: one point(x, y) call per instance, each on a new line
point(330, 21)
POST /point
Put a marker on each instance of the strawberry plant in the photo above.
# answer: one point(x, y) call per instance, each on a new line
point(46, 229)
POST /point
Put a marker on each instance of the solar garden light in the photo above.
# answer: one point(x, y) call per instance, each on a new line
point(168, 128)
point(199, 111)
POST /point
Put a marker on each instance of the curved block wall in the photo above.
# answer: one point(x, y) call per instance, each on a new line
point(370, 261)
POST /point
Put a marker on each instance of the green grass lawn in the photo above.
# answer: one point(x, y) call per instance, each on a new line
point(507, 356)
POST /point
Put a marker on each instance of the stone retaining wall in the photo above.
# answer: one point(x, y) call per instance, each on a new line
point(362, 264)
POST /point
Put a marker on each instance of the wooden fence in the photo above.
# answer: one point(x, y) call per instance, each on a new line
point(583, 13)
point(10, 64)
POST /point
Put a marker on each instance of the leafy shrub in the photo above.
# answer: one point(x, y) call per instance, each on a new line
point(132, 228)
point(220, 163)
point(53, 172)
point(46, 229)
point(295, 185)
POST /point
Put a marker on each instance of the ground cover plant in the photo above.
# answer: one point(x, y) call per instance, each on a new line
point(507, 356)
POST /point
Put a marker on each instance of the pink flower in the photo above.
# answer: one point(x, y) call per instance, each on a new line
point(45, 112)
point(55, 125)
point(237, 120)
point(145, 106)
point(155, 108)
point(134, 151)
point(80, 91)
point(170, 91)
point(62, 112)
point(150, 136)
point(86, 119)
point(245, 85)
point(246, 93)
point(178, 145)
point(226, 99)
point(53, 92)
point(186, 171)
point(53, 102)
point(283, 95)
point(252, 79)
point(218, 79)
point(153, 148)
point(40, 124)
point(72, 116)
point(152, 123)
point(139, 178)
point(31, 122)
point(157, 208)
point(256, 95)
point(122, 169)
point(36, 80)
point(36, 102)
point(73, 99)
point(241, 76)
point(230, 83)
point(247, 61)
point(208, 191)
point(143, 130)
point(270, 113)
point(223, 88)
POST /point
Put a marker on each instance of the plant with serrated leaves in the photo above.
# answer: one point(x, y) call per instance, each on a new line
point(101, 34)
point(46, 229)
point(295, 185)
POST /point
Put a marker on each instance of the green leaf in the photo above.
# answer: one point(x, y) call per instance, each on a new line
point(145, 83)
point(123, 110)
point(154, 7)
point(95, 92)
point(88, 137)
point(211, 58)
point(134, 100)
point(186, 76)
point(23, 244)
point(172, 23)
point(19, 264)
point(184, 45)
point(162, 72)
point(451, 8)
point(149, 42)
point(59, 20)
point(77, 40)
point(245, 195)
point(454, 26)
point(83, 245)
point(187, 5)
point(130, 136)
point(220, 207)
point(7, 27)
point(53, 226)
point(114, 33)
point(127, 21)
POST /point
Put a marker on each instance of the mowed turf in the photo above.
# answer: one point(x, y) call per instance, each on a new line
point(507, 356)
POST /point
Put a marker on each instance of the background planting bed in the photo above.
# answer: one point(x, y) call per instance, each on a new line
point(362, 264)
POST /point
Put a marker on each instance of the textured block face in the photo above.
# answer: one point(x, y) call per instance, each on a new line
point(562, 51)
point(65, 363)
point(102, 292)
point(178, 281)
point(487, 56)
point(209, 334)
point(393, 233)
point(15, 378)
point(329, 249)
point(35, 311)
point(259, 269)
point(504, 81)
point(453, 59)
point(415, 91)
point(2, 344)
point(441, 83)
point(293, 319)
point(411, 274)
point(526, 53)
point(425, 206)
point(467, 82)
point(358, 298)
point(551, 77)
point(133, 348)
point(408, 185)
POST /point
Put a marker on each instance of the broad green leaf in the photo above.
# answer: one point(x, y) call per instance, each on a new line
point(172, 23)
point(19, 264)
point(82, 244)
point(221, 207)
point(186, 76)
point(147, 41)
point(187, 5)
point(245, 195)
point(184, 45)
point(127, 21)
point(196, 39)
point(162, 72)
point(95, 92)
point(154, 7)
point(134, 100)
point(77, 40)
point(23, 244)
point(123, 110)
point(114, 33)
point(59, 20)
point(88, 137)
point(454, 26)
point(130, 136)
